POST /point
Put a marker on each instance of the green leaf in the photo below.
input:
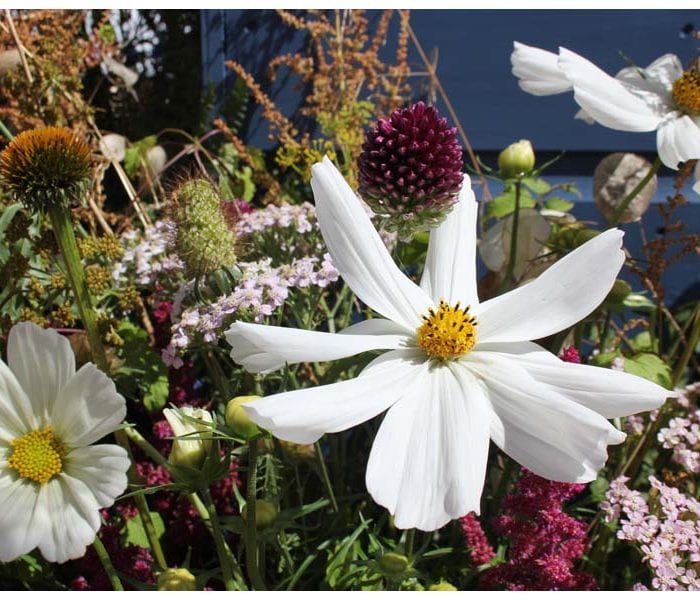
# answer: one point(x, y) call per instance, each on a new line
point(504, 204)
point(642, 342)
point(537, 185)
point(143, 374)
point(604, 359)
point(598, 489)
point(136, 153)
point(136, 534)
point(639, 303)
point(649, 366)
point(558, 203)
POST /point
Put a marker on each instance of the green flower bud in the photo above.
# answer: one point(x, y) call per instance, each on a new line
point(46, 167)
point(517, 159)
point(176, 580)
point(265, 514)
point(616, 296)
point(191, 446)
point(202, 239)
point(443, 586)
point(238, 420)
point(393, 564)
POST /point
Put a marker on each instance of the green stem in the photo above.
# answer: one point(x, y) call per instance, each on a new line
point(201, 508)
point(510, 273)
point(65, 237)
point(326, 478)
point(689, 348)
point(251, 530)
point(5, 131)
point(617, 215)
point(408, 542)
point(221, 547)
point(103, 555)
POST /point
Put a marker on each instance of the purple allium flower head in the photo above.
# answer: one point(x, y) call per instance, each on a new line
point(411, 168)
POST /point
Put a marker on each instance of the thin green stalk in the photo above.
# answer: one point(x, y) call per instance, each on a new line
point(221, 546)
point(689, 348)
point(510, 273)
point(5, 131)
point(65, 237)
point(408, 542)
point(615, 219)
point(103, 555)
point(203, 512)
point(325, 477)
point(251, 530)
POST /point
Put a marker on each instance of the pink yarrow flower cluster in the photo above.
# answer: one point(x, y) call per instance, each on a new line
point(545, 542)
point(667, 533)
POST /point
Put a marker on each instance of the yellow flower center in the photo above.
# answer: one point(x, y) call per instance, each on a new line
point(448, 332)
point(686, 91)
point(38, 455)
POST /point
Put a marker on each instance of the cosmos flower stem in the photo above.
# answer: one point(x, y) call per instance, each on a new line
point(222, 549)
point(140, 500)
point(408, 541)
point(103, 555)
point(251, 530)
point(509, 278)
point(326, 478)
point(617, 215)
point(65, 238)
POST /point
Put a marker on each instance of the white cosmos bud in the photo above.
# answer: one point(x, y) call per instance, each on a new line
point(190, 448)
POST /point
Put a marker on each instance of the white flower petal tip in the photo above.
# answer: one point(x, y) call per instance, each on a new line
point(54, 506)
point(358, 251)
point(538, 71)
point(560, 297)
point(678, 140)
point(303, 416)
point(265, 348)
point(605, 98)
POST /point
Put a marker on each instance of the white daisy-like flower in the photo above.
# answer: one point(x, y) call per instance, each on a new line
point(662, 97)
point(457, 371)
point(53, 482)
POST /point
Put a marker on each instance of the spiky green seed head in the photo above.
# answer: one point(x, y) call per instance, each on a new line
point(46, 167)
point(203, 239)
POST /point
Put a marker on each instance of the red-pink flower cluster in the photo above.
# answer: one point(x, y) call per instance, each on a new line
point(480, 550)
point(545, 542)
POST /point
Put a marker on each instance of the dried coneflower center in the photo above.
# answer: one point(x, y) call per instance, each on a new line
point(448, 332)
point(686, 91)
point(37, 455)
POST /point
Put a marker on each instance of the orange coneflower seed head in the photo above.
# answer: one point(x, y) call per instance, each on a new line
point(46, 166)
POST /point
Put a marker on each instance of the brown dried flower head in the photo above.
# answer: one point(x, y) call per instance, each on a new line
point(46, 167)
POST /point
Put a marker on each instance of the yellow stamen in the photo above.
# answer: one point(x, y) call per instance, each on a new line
point(37, 455)
point(686, 91)
point(448, 332)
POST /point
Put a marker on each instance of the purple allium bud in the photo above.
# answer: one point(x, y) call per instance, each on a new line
point(411, 168)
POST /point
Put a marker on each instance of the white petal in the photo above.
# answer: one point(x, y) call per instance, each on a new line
point(87, 408)
point(377, 327)
point(561, 296)
point(102, 468)
point(666, 70)
point(42, 361)
point(553, 437)
point(16, 412)
point(538, 71)
point(23, 519)
point(604, 98)
point(607, 392)
point(450, 266)
point(303, 416)
point(678, 140)
point(75, 519)
point(262, 348)
point(359, 253)
point(428, 461)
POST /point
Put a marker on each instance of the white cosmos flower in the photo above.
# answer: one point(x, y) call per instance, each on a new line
point(52, 481)
point(662, 97)
point(428, 461)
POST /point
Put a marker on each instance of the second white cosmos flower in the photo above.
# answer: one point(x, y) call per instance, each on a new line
point(457, 372)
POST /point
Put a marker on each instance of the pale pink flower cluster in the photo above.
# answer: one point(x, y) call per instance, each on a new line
point(667, 533)
point(300, 216)
point(683, 437)
point(147, 256)
point(261, 289)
